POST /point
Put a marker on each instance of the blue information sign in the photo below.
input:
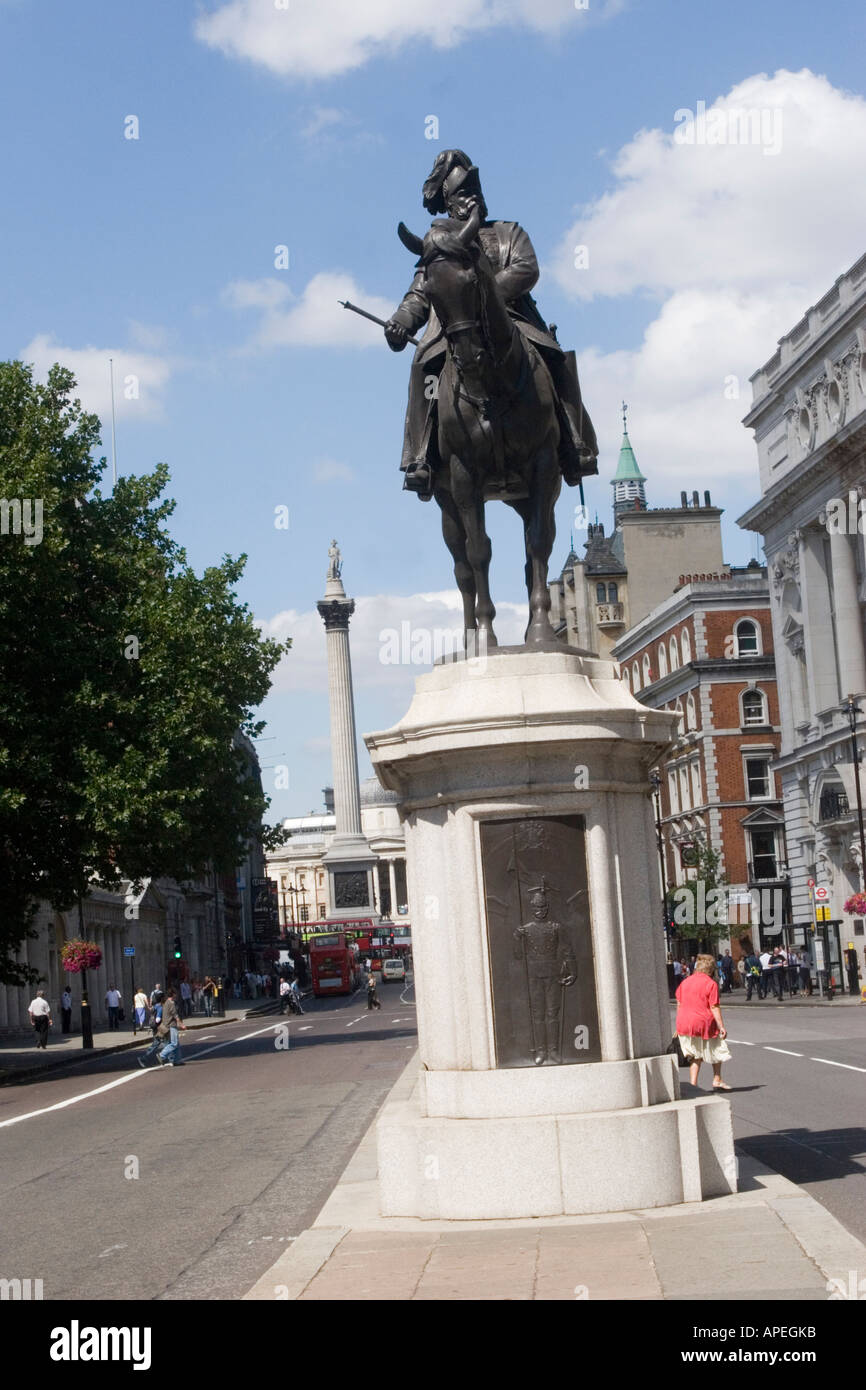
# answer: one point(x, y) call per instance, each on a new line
point(129, 950)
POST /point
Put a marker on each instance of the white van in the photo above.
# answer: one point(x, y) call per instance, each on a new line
point(393, 970)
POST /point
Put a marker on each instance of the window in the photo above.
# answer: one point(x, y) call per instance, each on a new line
point(691, 712)
point(612, 593)
point(673, 795)
point(681, 727)
point(600, 593)
point(284, 882)
point(685, 796)
point(625, 676)
point(746, 637)
point(758, 779)
point(753, 708)
point(303, 913)
point(635, 677)
point(686, 646)
point(697, 797)
point(763, 854)
point(675, 655)
point(323, 912)
point(647, 674)
point(663, 660)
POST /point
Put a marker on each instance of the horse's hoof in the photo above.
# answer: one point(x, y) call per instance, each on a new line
point(536, 636)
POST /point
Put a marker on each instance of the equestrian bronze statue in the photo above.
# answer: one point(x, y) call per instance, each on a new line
point(495, 409)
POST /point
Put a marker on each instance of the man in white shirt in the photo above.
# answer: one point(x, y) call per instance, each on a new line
point(112, 1003)
point(40, 1016)
point(66, 1010)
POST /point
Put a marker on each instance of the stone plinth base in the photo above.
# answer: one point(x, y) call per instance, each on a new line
point(511, 1166)
point(527, 1091)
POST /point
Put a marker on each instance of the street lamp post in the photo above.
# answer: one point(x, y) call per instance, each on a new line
point(656, 784)
point(853, 710)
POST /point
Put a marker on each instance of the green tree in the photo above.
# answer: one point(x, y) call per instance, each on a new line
point(125, 676)
point(695, 909)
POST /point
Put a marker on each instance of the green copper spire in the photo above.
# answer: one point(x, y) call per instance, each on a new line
point(627, 469)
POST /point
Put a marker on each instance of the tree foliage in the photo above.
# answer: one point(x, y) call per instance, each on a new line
point(125, 676)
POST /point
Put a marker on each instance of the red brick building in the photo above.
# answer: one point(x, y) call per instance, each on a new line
point(707, 653)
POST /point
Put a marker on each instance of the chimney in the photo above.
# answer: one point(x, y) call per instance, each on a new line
point(328, 794)
point(696, 498)
point(684, 501)
point(707, 502)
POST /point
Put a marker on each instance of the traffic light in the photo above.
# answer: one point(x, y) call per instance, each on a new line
point(391, 939)
point(178, 949)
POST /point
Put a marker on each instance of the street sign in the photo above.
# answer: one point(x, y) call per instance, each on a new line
point(822, 913)
point(129, 950)
point(822, 894)
point(810, 882)
point(818, 948)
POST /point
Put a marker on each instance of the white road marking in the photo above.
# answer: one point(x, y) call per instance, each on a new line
point(783, 1050)
point(828, 1063)
point(739, 1042)
point(121, 1081)
point(356, 1020)
point(305, 1028)
point(111, 1250)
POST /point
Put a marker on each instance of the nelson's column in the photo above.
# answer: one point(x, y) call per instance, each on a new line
point(349, 860)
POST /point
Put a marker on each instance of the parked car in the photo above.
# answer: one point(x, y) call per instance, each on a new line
point(393, 970)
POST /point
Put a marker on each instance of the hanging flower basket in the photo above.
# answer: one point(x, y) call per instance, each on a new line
point(855, 905)
point(80, 955)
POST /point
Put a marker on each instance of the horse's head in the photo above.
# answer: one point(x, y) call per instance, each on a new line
point(452, 262)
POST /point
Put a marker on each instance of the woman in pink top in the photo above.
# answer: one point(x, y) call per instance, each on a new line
point(700, 1027)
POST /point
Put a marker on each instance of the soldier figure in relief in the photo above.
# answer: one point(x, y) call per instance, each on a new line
point(542, 945)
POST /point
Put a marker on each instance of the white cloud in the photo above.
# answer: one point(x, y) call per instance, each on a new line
point(323, 118)
point(384, 626)
point(315, 319)
point(134, 372)
point(333, 471)
point(735, 244)
point(321, 38)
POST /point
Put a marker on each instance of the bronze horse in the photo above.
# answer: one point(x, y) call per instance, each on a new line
point(498, 428)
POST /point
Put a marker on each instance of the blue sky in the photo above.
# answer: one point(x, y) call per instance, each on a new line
point(304, 126)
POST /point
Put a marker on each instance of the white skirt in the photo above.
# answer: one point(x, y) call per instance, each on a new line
point(706, 1049)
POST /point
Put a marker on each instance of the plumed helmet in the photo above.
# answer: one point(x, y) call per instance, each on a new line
point(452, 169)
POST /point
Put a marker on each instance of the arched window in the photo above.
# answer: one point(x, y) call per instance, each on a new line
point(635, 678)
point(697, 797)
point(679, 709)
point(686, 646)
point(675, 655)
point(691, 712)
point(663, 660)
point(612, 593)
point(647, 674)
point(746, 637)
point(625, 676)
point(600, 593)
point(754, 707)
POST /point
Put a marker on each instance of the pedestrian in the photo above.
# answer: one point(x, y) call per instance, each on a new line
point(373, 1001)
point(700, 1026)
point(776, 971)
point(296, 995)
point(765, 958)
point(185, 998)
point(140, 1006)
point(209, 994)
point(805, 974)
point(793, 972)
point(113, 1001)
point(155, 1021)
point(753, 975)
point(66, 1010)
point(728, 972)
point(169, 1030)
point(155, 995)
point(285, 990)
point(40, 1017)
point(684, 969)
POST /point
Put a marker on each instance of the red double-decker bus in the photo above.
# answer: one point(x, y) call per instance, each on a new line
point(334, 963)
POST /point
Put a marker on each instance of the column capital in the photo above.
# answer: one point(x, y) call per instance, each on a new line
point(335, 613)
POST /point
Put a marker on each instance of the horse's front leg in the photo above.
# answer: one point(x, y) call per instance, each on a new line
point(455, 539)
point(539, 532)
point(469, 501)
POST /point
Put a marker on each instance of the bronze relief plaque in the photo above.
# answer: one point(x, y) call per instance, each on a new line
point(545, 1010)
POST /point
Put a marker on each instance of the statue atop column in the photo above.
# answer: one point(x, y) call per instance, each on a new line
point(335, 561)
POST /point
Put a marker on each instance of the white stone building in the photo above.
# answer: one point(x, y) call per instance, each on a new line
point(809, 418)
